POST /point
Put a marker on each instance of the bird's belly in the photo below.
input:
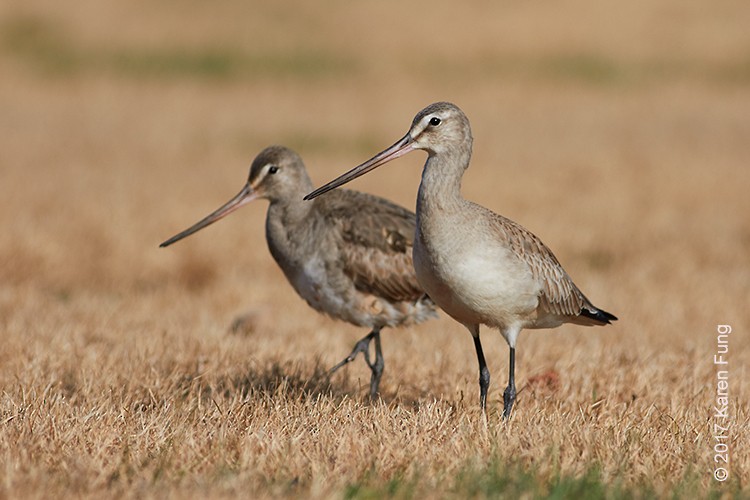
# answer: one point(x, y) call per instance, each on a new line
point(329, 290)
point(311, 282)
point(476, 282)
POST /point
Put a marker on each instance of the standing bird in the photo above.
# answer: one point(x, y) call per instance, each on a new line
point(478, 266)
point(348, 255)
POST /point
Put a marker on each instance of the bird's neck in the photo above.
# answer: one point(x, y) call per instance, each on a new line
point(440, 189)
point(289, 211)
point(286, 228)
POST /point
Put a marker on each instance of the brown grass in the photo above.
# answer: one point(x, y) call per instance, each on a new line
point(618, 132)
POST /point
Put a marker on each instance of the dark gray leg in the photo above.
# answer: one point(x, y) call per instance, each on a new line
point(377, 368)
point(363, 346)
point(484, 372)
point(509, 396)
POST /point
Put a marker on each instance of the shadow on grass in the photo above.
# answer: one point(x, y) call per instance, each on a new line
point(274, 380)
point(277, 380)
point(290, 380)
point(295, 381)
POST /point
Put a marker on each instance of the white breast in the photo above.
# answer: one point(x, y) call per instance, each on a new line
point(475, 279)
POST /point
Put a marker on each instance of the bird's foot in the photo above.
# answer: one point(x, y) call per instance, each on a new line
point(484, 385)
point(509, 397)
point(377, 371)
point(376, 367)
point(362, 346)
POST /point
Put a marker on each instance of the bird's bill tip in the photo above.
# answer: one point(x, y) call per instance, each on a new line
point(400, 148)
point(242, 198)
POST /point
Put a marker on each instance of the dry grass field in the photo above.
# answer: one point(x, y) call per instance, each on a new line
point(619, 132)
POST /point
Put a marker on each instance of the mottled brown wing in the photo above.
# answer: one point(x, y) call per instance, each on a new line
point(377, 238)
point(559, 294)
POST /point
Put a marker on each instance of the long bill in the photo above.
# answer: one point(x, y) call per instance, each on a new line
point(242, 198)
point(403, 146)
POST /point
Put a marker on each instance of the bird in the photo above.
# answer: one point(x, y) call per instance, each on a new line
point(479, 267)
point(348, 256)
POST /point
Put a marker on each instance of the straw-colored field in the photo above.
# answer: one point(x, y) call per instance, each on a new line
point(619, 132)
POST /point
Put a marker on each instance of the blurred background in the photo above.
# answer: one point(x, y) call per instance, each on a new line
point(619, 132)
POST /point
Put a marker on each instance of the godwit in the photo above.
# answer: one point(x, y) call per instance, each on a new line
point(479, 267)
point(347, 255)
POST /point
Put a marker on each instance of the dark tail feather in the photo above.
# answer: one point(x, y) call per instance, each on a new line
point(599, 315)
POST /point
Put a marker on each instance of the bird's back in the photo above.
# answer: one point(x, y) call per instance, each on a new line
point(560, 300)
point(481, 267)
point(350, 258)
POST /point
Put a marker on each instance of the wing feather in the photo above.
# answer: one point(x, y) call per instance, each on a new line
point(376, 244)
point(559, 295)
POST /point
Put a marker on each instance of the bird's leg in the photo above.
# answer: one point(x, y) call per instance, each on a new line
point(509, 396)
point(484, 372)
point(362, 346)
point(377, 367)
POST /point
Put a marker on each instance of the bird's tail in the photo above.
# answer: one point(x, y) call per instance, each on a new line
point(596, 316)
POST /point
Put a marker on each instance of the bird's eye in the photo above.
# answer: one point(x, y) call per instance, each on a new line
point(273, 169)
point(434, 121)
